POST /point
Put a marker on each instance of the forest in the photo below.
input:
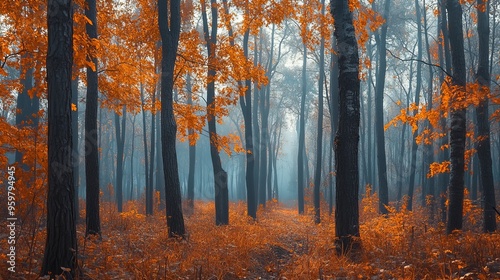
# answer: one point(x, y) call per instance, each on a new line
point(250, 139)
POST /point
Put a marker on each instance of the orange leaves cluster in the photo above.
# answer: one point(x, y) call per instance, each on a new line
point(228, 143)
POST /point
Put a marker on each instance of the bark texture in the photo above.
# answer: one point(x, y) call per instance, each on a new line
point(169, 23)
point(61, 245)
point(347, 139)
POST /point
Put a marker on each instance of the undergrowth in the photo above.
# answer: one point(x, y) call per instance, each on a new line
point(280, 245)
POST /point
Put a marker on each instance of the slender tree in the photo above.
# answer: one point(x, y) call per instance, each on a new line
point(302, 127)
point(169, 23)
point(457, 116)
point(246, 109)
point(192, 150)
point(414, 146)
point(61, 246)
point(319, 141)
point(381, 39)
point(91, 144)
point(347, 139)
point(483, 125)
point(120, 147)
point(220, 175)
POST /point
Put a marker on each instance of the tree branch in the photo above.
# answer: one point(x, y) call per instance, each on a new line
point(419, 60)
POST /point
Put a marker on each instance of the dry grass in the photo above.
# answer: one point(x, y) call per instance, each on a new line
point(280, 245)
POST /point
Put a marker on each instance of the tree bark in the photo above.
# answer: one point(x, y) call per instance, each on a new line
point(169, 23)
point(192, 151)
point(61, 245)
point(379, 113)
point(414, 146)
point(91, 144)
point(302, 126)
point(483, 125)
point(152, 154)
point(246, 109)
point(319, 142)
point(347, 139)
point(120, 147)
point(457, 116)
point(220, 176)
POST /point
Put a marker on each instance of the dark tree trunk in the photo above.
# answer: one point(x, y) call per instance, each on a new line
point(443, 60)
point(379, 113)
point(334, 113)
point(371, 144)
point(91, 145)
point(76, 156)
point(132, 139)
point(149, 188)
point(256, 128)
point(246, 109)
point(429, 148)
point(483, 125)
point(152, 157)
point(302, 127)
point(347, 139)
point(169, 23)
point(457, 116)
point(319, 142)
point(120, 146)
point(61, 245)
point(192, 151)
point(220, 176)
point(160, 178)
point(414, 146)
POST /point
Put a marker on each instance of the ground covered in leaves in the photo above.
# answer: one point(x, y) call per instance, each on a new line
point(280, 245)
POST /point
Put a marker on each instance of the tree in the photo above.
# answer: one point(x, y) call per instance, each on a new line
point(246, 109)
point(457, 116)
point(319, 143)
point(220, 176)
point(61, 246)
point(192, 150)
point(381, 39)
point(120, 145)
point(169, 21)
point(93, 221)
point(347, 139)
point(413, 164)
point(483, 125)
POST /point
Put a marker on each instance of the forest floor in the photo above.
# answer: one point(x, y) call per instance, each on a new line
point(280, 245)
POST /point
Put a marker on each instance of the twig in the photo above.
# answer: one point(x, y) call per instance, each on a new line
point(419, 60)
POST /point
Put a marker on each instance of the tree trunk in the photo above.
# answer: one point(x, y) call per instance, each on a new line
point(91, 146)
point(120, 145)
point(220, 176)
point(61, 245)
point(483, 125)
point(414, 146)
point(152, 157)
point(149, 188)
point(429, 148)
point(379, 113)
point(319, 142)
point(347, 139)
point(169, 23)
point(192, 151)
point(76, 155)
point(132, 139)
point(443, 60)
point(302, 127)
point(246, 109)
point(457, 116)
point(334, 113)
